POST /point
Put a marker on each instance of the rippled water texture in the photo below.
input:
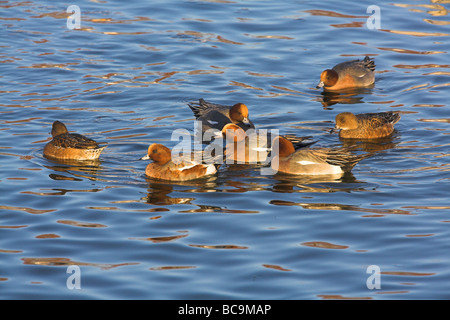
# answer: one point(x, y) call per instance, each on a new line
point(125, 78)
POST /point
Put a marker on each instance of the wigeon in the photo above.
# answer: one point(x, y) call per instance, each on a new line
point(349, 74)
point(216, 116)
point(366, 125)
point(253, 146)
point(70, 146)
point(164, 168)
point(319, 161)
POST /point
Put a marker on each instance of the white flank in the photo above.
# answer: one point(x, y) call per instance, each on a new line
point(305, 162)
point(211, 169)
point(212, 122)
point(187, 167)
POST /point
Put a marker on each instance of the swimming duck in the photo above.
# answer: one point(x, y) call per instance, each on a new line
point(256, 144)
point(216, 116)
point(164, 168)
point(73, 146)
point(349, 74)
point(366, 125)
point(319, 161)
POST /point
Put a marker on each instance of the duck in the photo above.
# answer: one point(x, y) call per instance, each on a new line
point(256, 144)
point(164, 168)
point(71, 146)
point(348, 74)
point(313, 161)
point(215, 116)
point(366, 125)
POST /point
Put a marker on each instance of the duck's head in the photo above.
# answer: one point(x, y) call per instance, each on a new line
point(239, 113)
point(58, 128)
point(346, 121)
point(158, 153)
point(328, 78)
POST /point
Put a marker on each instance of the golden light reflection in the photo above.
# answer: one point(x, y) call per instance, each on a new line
point(27, 210)
point(81, 224)
point(48, 236)
point(163, 268)
point(222, 246)
point(417, 33)
point(243, 85)
point(57, 262)
point(207, 208)
point(323, 244)
point(161, 239)
point(408, 274)
point(275, 267)
point(13, 227)
point(328, 13)
point(10, 251)
point(408, 51)
point(339, 207)
point(437, 10)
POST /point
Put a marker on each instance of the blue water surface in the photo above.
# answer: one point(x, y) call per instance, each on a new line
point(125, 78)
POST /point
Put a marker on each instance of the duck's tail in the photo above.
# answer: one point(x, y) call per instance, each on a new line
point(370, 63)
point(200, 108)
point(344, 158)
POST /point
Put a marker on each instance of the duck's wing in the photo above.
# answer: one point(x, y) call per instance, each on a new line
point(377, 120)
point(202, 107)
point(342, 157)
point(74, 140)
point(356, 68)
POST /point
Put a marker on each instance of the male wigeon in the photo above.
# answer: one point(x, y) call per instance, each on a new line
point(253, 146)
point(319, 161)
point(216, 116)
point(349, 74)
point(164, 168)
point(71, 146)
point(366, 125)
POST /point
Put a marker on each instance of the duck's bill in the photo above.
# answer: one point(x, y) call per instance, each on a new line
point(246, 121)
point(320, 85)
point(146, 157)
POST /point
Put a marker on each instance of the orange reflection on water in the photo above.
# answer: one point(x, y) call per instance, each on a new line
point(276, 267)
point(10, 251)
point(323, 244)
point(161, 239)
point(27, 210)
point(408, 274)
point(48, 236)
point(336, 206)
point(82, 224)
point(171, 268)
point(328, 13)
point(68, 262)
point(408, 51)
point(222, 246)
point(417, 33)
point(438, 10)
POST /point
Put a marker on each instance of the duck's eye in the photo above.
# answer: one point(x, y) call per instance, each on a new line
point(154, 151)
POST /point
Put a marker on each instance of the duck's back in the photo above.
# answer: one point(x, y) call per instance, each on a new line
point(74, 140)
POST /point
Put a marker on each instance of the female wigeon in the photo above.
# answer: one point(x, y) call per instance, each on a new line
point(164, 168)
point(216, 116)
point(320, 161)
point(349, 74)
point(253, 146)
point(70, 146)
point(366, 125)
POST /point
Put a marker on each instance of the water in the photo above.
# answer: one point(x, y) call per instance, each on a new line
point(125, 79)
